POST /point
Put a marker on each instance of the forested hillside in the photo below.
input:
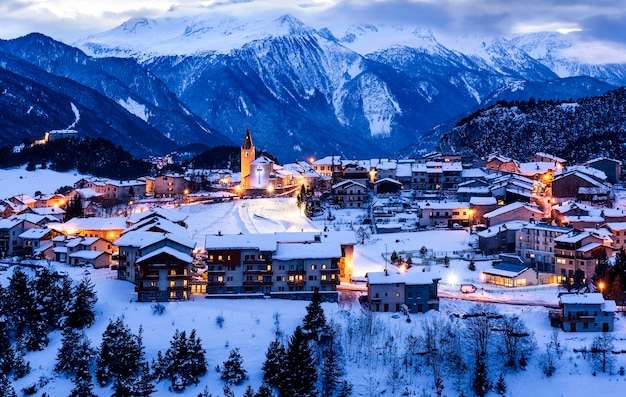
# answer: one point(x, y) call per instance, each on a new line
point(575, 130)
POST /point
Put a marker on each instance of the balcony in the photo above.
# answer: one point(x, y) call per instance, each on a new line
point(257, 283)
point(331, 282)
point(253, 272)
point(299, 272)
point(146, 288)
point(215, 283)
point(296, 282)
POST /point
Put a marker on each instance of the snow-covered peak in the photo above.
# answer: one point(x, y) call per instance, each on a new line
point(367, 39)
point(204, 33)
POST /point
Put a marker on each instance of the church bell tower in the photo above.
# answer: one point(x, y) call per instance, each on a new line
point(248, 155)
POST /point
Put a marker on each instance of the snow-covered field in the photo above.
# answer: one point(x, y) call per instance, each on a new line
point(248, 324)
point(15, 181)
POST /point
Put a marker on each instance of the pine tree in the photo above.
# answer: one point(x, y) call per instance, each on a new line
point(232, 369)
point(83, 381)
point(273, 367)
point(472, 265)
point(249, 392)
point(197, 355)
point(501, 386)
point(346, 389)
point(331, 372)
point(81, 312)
point(121, 354)
point(6, 390)
point(205, 392)
point(228, 392)
point(264, 391)
point(66, 356)
point(143, 385)
point(301, 375)
point(74, 208)
point(480, 382)
point(183, 361)
point(314, 322)
point(19, 301)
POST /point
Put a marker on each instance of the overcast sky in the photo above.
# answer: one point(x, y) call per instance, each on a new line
point(599, 23)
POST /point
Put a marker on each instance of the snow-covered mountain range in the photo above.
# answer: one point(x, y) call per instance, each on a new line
point(367, 90)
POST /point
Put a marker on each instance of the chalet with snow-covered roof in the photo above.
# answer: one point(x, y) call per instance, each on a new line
point(473, 188)
point(512, 188)
point(548, 158)
point(502, 163)
point(612, 168)
point(106, 228)
point(513, 212)
point(387, 186)
point(88, 251)
point(445, 214)
point(10, 231)
point(499, 238)
point(50, 200)
point(581, 185)
point(132, 245)
point(481, 206)
point(171, 185)
point(289, 265)
point(6, 210)
point(349, 194)
point(618, 234)
point(38, 242)
point(23, 199)
point(386, 168)
point(510, 273)
point(158, 212)
point(580, 250)
point(55, 214)
point(329, 166)
point(588, 312)
point(415, 292)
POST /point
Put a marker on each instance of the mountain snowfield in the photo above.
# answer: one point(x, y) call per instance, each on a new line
point(384, 86)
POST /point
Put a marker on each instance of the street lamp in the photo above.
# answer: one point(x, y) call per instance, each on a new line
point(601, 285)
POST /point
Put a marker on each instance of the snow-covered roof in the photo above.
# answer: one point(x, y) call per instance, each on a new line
point(9, 223)
point(408, 278)
point(347, 183)
point(474, 189)
point(261, 242)
point(343, 237)
point(483, 201)
point(288, 251)
point(592, 298)
point(616, 226)
point(572, 237)
point(48, 211)
point(387, 165)
point(184, 257)
point(87, 241)
point(583, 218)
point(35, 233)
point(156, 222)
point(492, 231)
point(87, 193)
point(390, 180)
point(92, 224)
point(512, 207)
point(142, 239)
point(328, 160)
point(403, 170)
point(506, 269)
point(87, 254)
point(261, 160)
point(473, 173)
point(171, 215)
point(579, 169)
point(550, 156)
point(536, 167)
point(442, 205)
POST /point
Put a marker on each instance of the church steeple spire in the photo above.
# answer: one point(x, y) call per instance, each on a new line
point(247, 141)
point(248, 155)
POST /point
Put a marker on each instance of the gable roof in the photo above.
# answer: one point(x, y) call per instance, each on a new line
point(511, 207)
point(167, 251)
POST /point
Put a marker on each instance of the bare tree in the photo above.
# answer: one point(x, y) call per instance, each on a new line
point(478, 324)
point(516, 342)
point(601, 350)
point(431, 342)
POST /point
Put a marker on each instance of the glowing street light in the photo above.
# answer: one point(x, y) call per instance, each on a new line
point(601, 285)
